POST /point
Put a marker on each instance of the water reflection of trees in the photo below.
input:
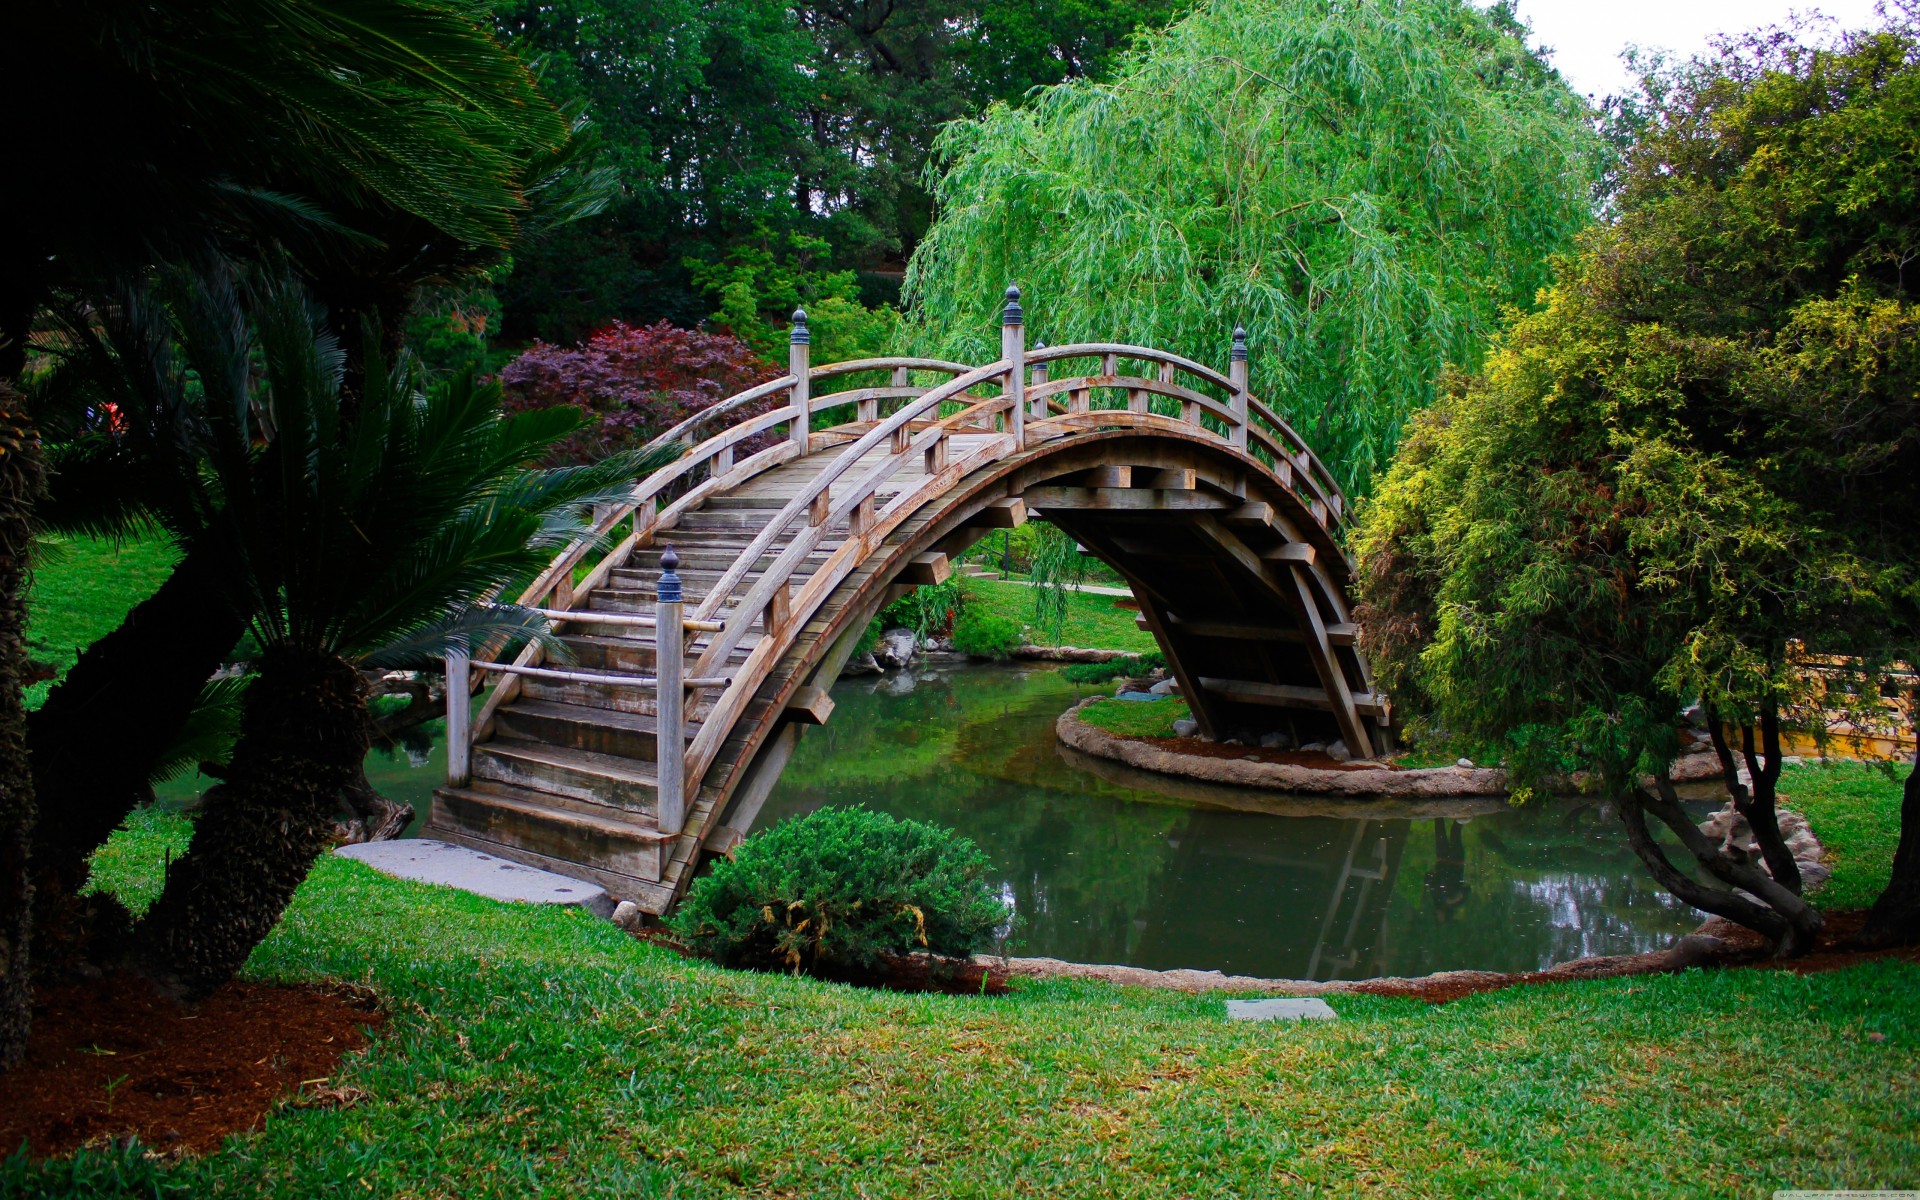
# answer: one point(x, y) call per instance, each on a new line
point(1104, 873)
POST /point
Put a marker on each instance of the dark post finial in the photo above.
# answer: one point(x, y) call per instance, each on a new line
point(669, 591)
point(1011, 314)
point(799, 335)
point(1239, 343)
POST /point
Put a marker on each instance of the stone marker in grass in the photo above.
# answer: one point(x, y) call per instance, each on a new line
point(1310, 1008)
point(427, 861)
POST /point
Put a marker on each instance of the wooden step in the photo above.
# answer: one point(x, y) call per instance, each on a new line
point(635, 655)
point(627, 735)
point(625, 843)
point(603, 780)
point(616, 699)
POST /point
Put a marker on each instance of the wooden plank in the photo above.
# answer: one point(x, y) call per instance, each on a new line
point(1009, 513)
point(927, 569)
point(1238, 632)
point(1124, 499)
point(1289, 552)
point(1257, 515)
point(1110, 477)
point(1281, 695)
point(810, 705)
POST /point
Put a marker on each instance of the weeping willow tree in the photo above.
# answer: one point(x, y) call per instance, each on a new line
point(1365, 184)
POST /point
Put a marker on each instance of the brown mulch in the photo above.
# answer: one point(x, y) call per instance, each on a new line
point(108, 1058)
point(918, 972)
point(1315, 759)
point(1718, 943)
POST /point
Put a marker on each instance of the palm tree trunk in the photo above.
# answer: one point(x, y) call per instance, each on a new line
point(140, 681)
point(302, 738)
point(21, 478)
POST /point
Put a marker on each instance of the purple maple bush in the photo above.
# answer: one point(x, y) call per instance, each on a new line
point(635, 383)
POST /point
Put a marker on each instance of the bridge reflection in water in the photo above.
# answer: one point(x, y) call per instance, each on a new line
point(1102, 870)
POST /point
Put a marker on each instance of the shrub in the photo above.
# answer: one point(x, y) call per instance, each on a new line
point(838, 889)
point(929, 610)
point(1130, 664)
point(636, 383)
point(984, 635)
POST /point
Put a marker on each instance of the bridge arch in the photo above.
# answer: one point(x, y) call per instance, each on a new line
point(749, 568)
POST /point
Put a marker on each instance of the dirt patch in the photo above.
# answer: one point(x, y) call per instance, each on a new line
point(918, 972)
point(110, 1058)
point(1718, 944)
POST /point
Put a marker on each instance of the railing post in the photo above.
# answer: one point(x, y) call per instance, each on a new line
point(1013, 348)
point(459, 708)
point(799, 354)
point(1237, 371)
point(669, 661)
point(1039, 412)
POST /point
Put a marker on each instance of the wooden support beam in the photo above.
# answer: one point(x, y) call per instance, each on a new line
point(1120, 499)
point(1289, 552)
point(1256, 515)
point(927, 569)
point(1286, 696)
point(861, 518)
point(810, 705)
point(1108, 477)
point(1010, 513)
point(1338, 635)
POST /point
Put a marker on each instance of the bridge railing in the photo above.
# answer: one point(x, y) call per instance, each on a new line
point(1001, 408)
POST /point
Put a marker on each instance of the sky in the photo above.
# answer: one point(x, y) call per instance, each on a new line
point(1587, 36)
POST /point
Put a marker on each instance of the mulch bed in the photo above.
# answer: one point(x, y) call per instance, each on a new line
point(1299, 758)
point(1741, 949)
point(109, 1058)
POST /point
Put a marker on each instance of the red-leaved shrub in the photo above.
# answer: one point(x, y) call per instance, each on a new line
point(636, 383)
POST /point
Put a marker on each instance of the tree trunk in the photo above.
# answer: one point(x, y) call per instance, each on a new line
point(1895, 917)
point(21, 477)
point(1758, 803)
point(302, 738)
point(1773, 911)
point(140, 682)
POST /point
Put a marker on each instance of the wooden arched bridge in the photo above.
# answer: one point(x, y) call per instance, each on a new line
point(709, 634)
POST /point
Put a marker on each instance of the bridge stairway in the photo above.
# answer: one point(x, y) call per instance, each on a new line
point(565, 776)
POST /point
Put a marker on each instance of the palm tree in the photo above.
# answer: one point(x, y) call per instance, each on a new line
point(371, 534)
point(162, 129)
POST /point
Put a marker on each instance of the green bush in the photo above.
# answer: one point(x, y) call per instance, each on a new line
point(1131, 664)
point(984, 635)
point(839, 888)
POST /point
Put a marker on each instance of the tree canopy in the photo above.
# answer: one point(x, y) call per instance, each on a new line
point(1686, 476)
point(747, 122)
point(1364, 186)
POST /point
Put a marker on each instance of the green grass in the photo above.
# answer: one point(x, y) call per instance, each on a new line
point(1135, 718)
point(83, 589)
point(534, 1053)
point(1092, 620)
point(1855, 811)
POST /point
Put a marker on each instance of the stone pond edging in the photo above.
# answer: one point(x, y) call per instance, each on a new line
point(1357, 780)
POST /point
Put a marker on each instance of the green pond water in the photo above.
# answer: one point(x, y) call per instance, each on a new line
point(1114, 872)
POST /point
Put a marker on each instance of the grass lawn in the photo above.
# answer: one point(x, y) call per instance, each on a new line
point(83, 589)
point(1135, 718)
point(539, 1053)
point(1855, 810)
point(1093, 620)
point(535, 1053)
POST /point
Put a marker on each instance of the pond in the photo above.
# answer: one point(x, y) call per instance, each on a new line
point(1113, 872)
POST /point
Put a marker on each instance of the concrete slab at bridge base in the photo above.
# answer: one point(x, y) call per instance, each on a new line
point(1311, 1008)
point(424, 860)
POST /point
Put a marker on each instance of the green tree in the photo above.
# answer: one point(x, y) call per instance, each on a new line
point(169, 129)
point(1363, 186)
point(1675, 480)
point(368, 534)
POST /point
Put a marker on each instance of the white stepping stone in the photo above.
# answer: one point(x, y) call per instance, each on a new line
point(1311, 1008)
point(424, 860)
